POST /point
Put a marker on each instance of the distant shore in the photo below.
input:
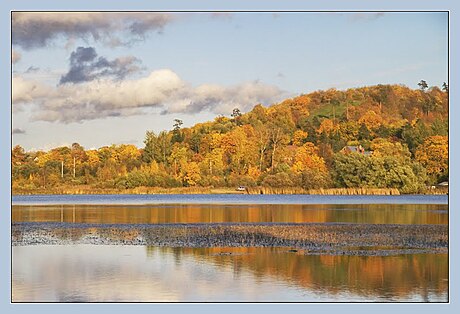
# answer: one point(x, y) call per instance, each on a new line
point(310, 238)
point(76, 190)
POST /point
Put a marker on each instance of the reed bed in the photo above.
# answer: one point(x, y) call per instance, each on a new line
point(224, 190)
point(343, 191)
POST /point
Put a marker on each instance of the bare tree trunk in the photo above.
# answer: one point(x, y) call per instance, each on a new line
point(261, 160)
point(275, 143)
point(164, 152)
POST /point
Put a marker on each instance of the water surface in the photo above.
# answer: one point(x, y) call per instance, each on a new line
point(220, 213)
point(228, 199)
point(94, 273)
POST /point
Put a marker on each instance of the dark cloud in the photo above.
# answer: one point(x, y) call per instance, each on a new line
point(85, 65)
point(32, 69)
point(18, 131)
point(38, 29)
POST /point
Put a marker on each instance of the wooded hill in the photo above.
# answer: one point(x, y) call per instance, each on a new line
point(384, 136)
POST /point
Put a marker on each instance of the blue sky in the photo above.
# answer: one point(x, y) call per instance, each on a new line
point(194, 66)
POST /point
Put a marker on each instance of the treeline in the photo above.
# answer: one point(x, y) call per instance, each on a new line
point(384, 136)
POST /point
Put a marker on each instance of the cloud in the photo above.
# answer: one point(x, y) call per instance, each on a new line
point(32, 69)
point(85, 65)
point(25, 91)
point(162, 89)
point(15, 56)
point(18, 131)
point(38, 29)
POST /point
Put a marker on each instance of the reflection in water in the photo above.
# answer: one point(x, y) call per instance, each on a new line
point(136, 273)
point(215, 213)
point(391, 278)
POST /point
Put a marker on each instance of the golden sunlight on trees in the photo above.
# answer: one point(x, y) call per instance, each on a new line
point(384, 136)
point(433, 154)
point(299, 137)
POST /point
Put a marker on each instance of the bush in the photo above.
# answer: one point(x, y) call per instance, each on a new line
point(278, 180)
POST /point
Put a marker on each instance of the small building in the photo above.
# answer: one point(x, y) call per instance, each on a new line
point(355, 149)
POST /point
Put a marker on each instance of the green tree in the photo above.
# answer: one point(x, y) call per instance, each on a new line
point(423, 85)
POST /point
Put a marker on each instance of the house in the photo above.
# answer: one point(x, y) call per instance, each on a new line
point(355, 149)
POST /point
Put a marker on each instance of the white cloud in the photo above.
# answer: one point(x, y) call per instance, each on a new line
point(161, 89)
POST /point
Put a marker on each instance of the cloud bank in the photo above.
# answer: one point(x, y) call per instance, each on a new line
point(85, 66)
point(38, 29)
point(162, 89)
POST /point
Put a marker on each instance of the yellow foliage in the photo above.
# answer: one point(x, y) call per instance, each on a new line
point(254, 172)
point(327, 126)
point(298, 137)
point(382, 147)
point(191, 173)
point(433, 154)
point(371, 119)
point(93, 157)
point(306, 157)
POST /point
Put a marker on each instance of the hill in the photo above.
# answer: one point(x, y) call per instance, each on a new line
point(383, 136)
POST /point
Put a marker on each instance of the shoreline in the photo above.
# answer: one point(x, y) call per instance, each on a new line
point(310, 238)
point(87, 190)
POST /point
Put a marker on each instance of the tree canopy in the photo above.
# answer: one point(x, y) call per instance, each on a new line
point(298, 142)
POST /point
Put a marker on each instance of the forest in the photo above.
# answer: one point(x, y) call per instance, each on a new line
point(383, 136)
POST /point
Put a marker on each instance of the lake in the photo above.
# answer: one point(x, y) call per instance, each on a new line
point(141, 273)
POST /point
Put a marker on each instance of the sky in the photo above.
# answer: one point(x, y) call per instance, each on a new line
point(100, 78)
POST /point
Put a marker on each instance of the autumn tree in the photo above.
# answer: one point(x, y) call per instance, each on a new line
point(310, 166)
point(383, 147)
point(433, 154)
point(299, 137)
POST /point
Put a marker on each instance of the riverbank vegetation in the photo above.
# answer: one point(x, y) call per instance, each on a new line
point(361, 139)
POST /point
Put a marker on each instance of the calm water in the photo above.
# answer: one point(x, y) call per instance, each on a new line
point(218, 213)
point(88, 273)
point(73, 273)
point(227, 199)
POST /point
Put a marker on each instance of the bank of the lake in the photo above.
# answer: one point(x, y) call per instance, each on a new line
point(86, 189)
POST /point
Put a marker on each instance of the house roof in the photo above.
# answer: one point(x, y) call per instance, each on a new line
point(352, 148)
